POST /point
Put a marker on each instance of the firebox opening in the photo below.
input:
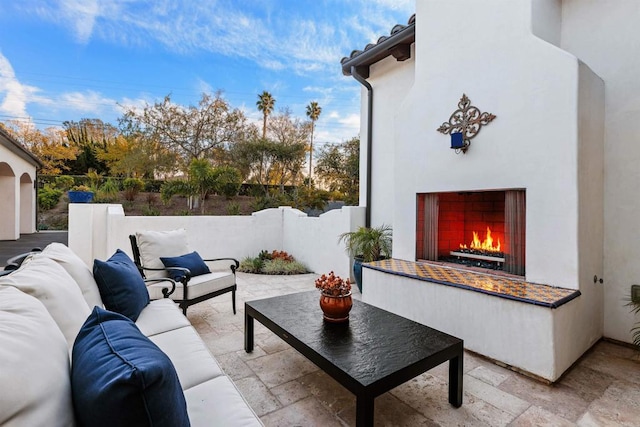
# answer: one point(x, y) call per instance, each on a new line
point(480, 229)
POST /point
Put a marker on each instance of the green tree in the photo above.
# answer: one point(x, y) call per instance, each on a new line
point(50, 145)
point(313, 112)
point(200, 183)
point(265, 104)
point(338, 167)
point(132, 156)
point(288, 153)
point(90, 137)
point(200, 131)
point(227, 181)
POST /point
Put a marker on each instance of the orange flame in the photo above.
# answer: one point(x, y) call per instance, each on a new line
point(486, 245)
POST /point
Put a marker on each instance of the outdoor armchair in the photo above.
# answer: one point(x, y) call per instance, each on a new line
point(192, 287)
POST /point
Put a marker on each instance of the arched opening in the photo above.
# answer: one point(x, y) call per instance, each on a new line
point(8, 218)
point(27, 211)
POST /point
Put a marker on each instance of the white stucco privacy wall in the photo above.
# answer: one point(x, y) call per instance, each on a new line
point(604, 34)
point(97, 230)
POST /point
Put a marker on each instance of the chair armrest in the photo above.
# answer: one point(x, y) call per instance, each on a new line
point(186, 271)
point(235, 264)
point(165, 291)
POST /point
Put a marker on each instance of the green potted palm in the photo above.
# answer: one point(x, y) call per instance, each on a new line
point(366, 245)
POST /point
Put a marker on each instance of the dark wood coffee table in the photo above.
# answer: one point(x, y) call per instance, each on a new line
point(372, 353)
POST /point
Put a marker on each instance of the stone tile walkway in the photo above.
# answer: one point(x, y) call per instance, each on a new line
point(285, 389)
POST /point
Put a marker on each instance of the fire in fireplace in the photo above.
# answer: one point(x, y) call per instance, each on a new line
point(492, 222)
point(482, 247)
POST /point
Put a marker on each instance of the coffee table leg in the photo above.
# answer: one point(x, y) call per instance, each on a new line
point(248, 333)
point(455, 381)
point(364, 411)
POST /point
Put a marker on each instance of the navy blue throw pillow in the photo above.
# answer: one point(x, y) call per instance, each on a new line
point(121, 286)
point(192, 261)
point(120, 378)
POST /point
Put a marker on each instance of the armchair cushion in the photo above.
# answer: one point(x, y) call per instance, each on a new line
point(119, 377)
point(121, 286)
point(35, 387)
point(198, 286)
point(192, 261)
point(155, 244)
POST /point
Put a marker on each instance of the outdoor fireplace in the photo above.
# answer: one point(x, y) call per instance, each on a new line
point(479, 228)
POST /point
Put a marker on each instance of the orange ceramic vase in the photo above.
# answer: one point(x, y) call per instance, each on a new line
point(336, 308)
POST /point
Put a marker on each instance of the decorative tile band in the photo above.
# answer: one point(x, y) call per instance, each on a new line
point(503, 287)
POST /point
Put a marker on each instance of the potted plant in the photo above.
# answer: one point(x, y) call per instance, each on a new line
point(367, 245)
point(80, 194)
point(335, 297)
point(633, 301)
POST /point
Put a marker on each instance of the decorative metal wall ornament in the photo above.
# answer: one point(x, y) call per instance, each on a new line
point(464, 124)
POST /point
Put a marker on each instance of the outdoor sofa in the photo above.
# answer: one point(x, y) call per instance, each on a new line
point(64, 360)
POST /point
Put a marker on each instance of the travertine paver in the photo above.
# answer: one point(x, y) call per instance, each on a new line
point(285, 389)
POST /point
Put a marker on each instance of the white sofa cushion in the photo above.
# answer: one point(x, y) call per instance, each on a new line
point(189, 354)
point(198, 285)
point(161, 316)
point(77, 269)
point(156, 244)
point(35, 387)
point(218, 402)
point(46, 280)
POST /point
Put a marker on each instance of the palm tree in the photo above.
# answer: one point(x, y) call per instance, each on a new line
point(313, 112)
point(265, 104)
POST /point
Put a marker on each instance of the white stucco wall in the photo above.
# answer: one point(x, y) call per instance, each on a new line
point(12, 219)
point(97, 230)
point(535, 339)
point(391, 80)
point(604, 34)
point(546, 20)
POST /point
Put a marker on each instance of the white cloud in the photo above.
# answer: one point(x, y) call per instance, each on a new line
point(352, 121)
point(401, 5)
point(81, 15)
point(14, 95)
point(87, 102)
point(136, 104)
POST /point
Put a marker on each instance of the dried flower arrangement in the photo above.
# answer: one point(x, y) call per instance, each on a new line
point(330, 284)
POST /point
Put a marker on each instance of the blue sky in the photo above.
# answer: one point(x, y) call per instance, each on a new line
point(72, 59)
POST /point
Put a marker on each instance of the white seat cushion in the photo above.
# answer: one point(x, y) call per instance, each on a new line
point(160, 316)
point(155, 244)
point(198, 285)
point(189, 354)
point(77, 269)
point(218, 402)
point(46, 280)
point(35, 387)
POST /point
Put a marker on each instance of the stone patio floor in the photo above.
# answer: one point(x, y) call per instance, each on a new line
point(285, 389)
